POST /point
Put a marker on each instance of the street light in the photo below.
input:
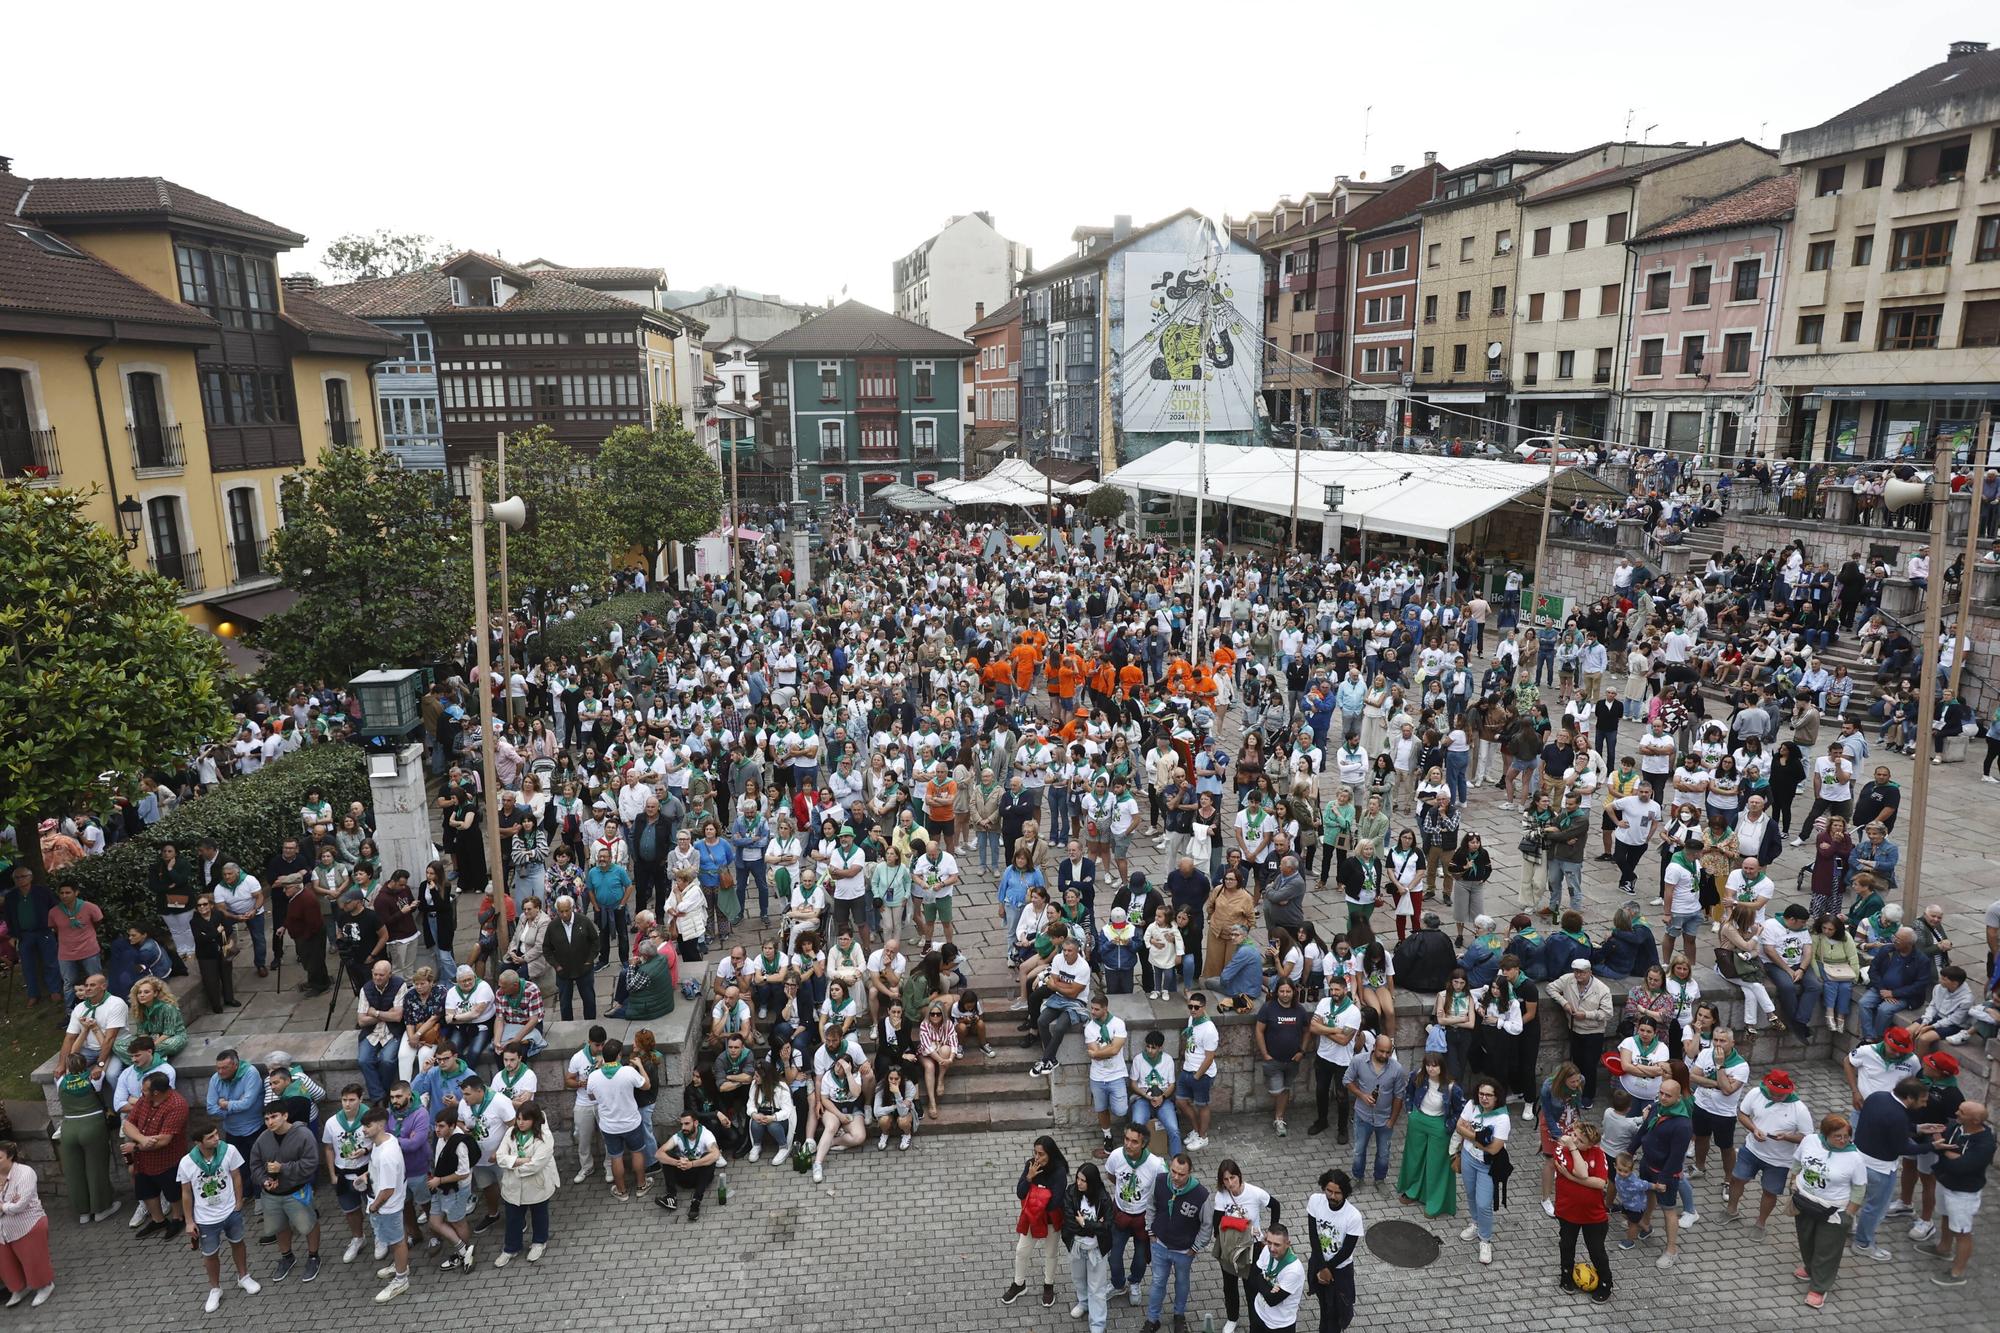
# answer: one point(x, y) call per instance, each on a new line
point(1335, 493)
point(130, 511)
point(510, 513)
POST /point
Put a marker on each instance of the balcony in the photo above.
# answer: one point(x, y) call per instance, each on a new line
point(344, 431)
point(184, 569)
point(156, 448)
point(29, 455)
point(1600, 377)
point(250, 559)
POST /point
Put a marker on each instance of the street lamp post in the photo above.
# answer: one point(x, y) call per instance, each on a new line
point(510, 513)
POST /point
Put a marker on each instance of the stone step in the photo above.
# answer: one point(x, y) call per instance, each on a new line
point(996, 1088)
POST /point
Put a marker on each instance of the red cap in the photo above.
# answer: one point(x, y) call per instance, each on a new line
point(1898, 1040)
point(1942, 1062)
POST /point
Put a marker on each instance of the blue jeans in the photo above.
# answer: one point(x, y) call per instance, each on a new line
point(1478, 1191)
point(1797, 1000)
point(1120, 1238)
point(1561, 874)
point(754, 870)
point(75, 972)
point(1381, 1134)
point(1874, 1205)
point(613, 923)
point(378, 1067)
point(1144, 1113)
point(1839, 996)
point(38, 964)
point(990, 855)
point(1180, 1263)
point(1455, 764)
point(1058, 816)
point(518, 1217)
point(531, 881)
point(1243, 974)
point(1877, 1014)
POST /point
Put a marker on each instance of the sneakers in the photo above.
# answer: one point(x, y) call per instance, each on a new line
point(1048, 1296)
point(1194, 1142)
point(1549, 1207)
point(312, 1268)
point(756, 1151)
point(1816, 1299)
point(1959, 1038)
point(138, 1216)
point(1041, 1069)
point(1485, 1252)
point(352, 1252)
point(503, 1259)
point(1013, 1293)
point(283, 1270)
point(694, 1210)
point(645, 1188)
point(986, 1051)
point(1946, 1279)
point(1666, 1260)
point(250, 1285)
point(882, 1142)
point(1019, 1006)
point(397, 1286)
point(903, 1144)
point(1898, 1209)
point(485, 1224)
point(668, 1202)
point(1879, 1253)
point(620, 1195)
point(381, 1251)
point(1077, 1311)
point(386, 1271)
point(1279, 1125)
point(1471, 1232)
point(1602, 1295)
point(1921, 1230)
point(582, 1175)
point(214, 1301)
point(1138, 1297)
point(535, 1252)
point(1627, 1243)
point(1689, 1219)
point(819, 1173)
point(1316, 1127)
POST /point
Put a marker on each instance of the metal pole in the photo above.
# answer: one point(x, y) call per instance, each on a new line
point(735, 510)
point(1542, 544)
point(1298, 443)
point(1927, 679)
point(506, 607)
point(1958, 650)
point(1200, 457)
point(496, 883)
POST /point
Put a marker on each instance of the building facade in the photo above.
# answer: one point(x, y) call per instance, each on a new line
point(862, 399)
point(996, 386)
point(1471, 227)
point(1575, 270)
point(515, 349)
point(967, 264)
point(150, 357)
point(1890, 321)
point(1702, 313)
point(737, 322)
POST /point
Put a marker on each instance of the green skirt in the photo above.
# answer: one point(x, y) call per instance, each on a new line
point(1426, 1175)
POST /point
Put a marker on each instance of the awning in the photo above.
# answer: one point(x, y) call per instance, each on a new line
point(743, 534)
point(998, 444)
point(1426, 496)
point(255, 607)
point(1910, 392)
point(1011, 482)
point(1451, 397)
point(908, 499)
point(243, 661)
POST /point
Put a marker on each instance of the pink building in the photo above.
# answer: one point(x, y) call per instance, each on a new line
point(1701, 303)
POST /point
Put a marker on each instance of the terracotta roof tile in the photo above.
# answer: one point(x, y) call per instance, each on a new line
point(104, 198)
point(1948, 80)
point(1767, 200)
point(314, 315)
point(34, 281)
point(1000, 318)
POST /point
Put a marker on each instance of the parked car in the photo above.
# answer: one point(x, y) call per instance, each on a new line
point(1537, 448)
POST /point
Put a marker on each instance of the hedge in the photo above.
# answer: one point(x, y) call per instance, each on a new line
point(249, 818)
point(584, 633)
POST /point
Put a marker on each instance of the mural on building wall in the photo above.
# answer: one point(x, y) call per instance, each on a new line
point(1174, 378)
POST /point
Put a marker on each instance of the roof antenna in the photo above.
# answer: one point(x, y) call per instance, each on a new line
point(1628, 122)
point(1366, 112)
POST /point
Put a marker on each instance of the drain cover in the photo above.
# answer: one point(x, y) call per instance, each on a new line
point(1404, 1244)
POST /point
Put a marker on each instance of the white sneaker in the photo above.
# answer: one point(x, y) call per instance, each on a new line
point(1959, 1038)
point(1549, 1207)
point(214, 1301)
point(138, 1216)
point(1194, 1141)
point(1229, 1327)
point(386, 1271)
point(535, 1252)
point(352, 1252)
point(1898, 1209)
point(1666, 1260)
point(503, 1260)
point(249, 1284)
point(756, 1151)
point(818, 1174)
point(1076, 1311)
point(1689, 1219)
point(882, 1143)
point(1471, 1232)
point(381, 1251)
point(1880, 1253)
point(581, 1176)
point(904, 1145)
point(1485, 1252)
point(397, 1286)
point(1923, 1230)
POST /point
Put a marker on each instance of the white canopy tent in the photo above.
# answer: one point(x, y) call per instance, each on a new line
point(1011, 482)
point(1424, 496)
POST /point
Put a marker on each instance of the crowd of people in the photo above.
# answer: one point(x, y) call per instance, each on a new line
point(789, 785)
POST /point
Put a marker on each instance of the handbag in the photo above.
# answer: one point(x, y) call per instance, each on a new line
point(1838, 971)
point(1434, 1039)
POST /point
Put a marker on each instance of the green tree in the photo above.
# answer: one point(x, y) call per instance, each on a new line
point(1107, 503)
point(570, 532)
point(379, 556)
point(381, 254)
point(99, 671)
point(661, 487)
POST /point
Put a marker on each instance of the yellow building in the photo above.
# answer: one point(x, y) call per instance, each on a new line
point(150, 358)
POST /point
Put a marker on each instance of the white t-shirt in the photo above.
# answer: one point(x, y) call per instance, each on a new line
point(385, 1172)
point(1335, 1226)
point(1199, 1042)
point(580, 1065)
point(680, 1148)
point(214, 1190)
point(617, 1099)
point(931, 871)
point(1155, 1077)
point(1496, 1120)
point(487, 1125)
point(1774, 1118)
point(1790, 944)
point(1714, 1100)
point(1830, 1176)
point(1132, 1183)
point(1108, 1068)
point(1288, 1280)
point(350, 1144)
point(522, 1089)
point(1078, 971)
point(1642, 1089)
point(1743, 891)
point(1873, 1074)
point(1829, 788)
point(1347, 1015)
point(111, 1013)
point(1683, 891)
point(1639, 815)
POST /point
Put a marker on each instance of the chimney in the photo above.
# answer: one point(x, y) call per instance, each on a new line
point(1121, 226)
point(1959, 49)
point(1430, 159)
point(6, 166)
point(1395, 171)
point(300, 282)
point(978, 311)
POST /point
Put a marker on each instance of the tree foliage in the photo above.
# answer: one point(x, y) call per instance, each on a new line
point(379, 556)
point(661, 487)
point(382, 254)
point(570, 534)
point(99, 671)
point(1108, 503)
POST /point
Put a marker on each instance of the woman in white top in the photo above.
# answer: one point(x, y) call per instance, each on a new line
point(1242, 1211)
point(1828, 1181)
point(841, 1119)
point(1720, 1076)
point(895, 1109)
point(1482, 1131)
point(24, 1232)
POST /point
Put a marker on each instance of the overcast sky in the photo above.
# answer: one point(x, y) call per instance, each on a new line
point(800, 149)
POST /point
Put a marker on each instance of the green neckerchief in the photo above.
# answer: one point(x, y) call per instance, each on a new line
point(1735, 1059)
point(1645, 1048)
point(1680, 993)
point(688, 1145)
point(842, 1091)
point(1683, 1107)
point(75, 915)
point(522, 1140)
point(1271, 1271)
point(595, 1062)
point(1152, 1067)
point(1174, 1192)
point(1104, 1033)
point(206, 1165)
point(347, 1125)
point(737, 1062)
point(1460, 1000)
point(608, 1068)
point(1949, 1082)
point(1888, 1061)
point(513, 1079)
point(1187, 1033)
point(1131, 1162)
point(1578, 936)
point(1681, 858)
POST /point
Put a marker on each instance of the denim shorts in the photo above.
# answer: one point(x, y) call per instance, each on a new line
point(388, 1227)
point(1749, 1166)
point(1195, 1090)
point(1109, 1095)
point(1685, 923)
point(451, 1203)
point(349, 1198)
point(213, 1234)
point(631, 1140)
point(1278, 1075)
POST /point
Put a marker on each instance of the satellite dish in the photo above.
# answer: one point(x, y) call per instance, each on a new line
point(1492, 350)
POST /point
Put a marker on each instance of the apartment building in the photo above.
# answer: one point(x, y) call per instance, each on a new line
point(1890, 321)
point(150, 358)
point(737, 321)
point(1702, 313)
point(968, 263)
point(995, 390)
point(1383, 251)
point(1574, 269)
point(1471, 226)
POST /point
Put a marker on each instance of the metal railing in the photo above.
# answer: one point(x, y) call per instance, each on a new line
point(183, 568)
point(29, 455)
point(249, 559)
point(156, 448)
point(344, 431)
